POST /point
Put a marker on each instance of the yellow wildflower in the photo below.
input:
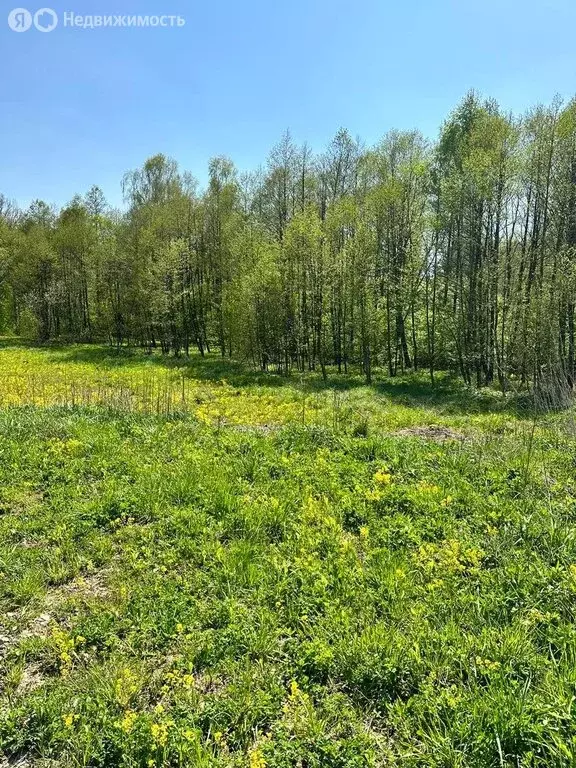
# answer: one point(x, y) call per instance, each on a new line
point(127, 722)
point(486, 665)
point(159, 733)
point(382, 478)
point(429, 488)
point(491, 530)
point(126, 686)
point(188, 681)
point(257, 759)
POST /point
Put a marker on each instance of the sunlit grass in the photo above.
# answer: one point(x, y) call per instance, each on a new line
point(220, 392)
point(270, 572)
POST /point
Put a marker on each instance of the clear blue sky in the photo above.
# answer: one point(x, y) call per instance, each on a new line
point(80, 107)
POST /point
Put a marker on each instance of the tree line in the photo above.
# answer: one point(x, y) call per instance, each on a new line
point(458, 254)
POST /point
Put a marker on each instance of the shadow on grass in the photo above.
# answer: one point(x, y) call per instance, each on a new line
point(415, 390)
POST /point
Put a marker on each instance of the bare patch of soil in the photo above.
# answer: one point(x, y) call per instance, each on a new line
point(91, 585)
point(433, 432)
point(31, 679)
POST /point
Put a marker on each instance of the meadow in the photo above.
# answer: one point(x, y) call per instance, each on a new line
point(204, 565)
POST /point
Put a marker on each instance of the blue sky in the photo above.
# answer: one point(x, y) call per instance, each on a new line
point(80, 107)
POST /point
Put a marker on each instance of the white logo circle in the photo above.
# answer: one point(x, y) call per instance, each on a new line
point(45, 20)
point(19, 20)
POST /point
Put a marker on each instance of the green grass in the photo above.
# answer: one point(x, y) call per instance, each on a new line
point(322, 587)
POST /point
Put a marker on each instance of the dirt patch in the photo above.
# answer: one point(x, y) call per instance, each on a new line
point(30, 544)
point(205, 683)
point(39, 627)
point(263, 429)
point(86, 587)
point(433, 432)
point(91, 586)
point(22, 761)
point(31, 679)
point(6, 641)
point(15, 762)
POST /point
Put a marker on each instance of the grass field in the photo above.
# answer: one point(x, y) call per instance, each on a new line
point(205, 566)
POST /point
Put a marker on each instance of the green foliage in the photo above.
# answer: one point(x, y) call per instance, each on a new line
point(456, 255)
point(181, 591)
